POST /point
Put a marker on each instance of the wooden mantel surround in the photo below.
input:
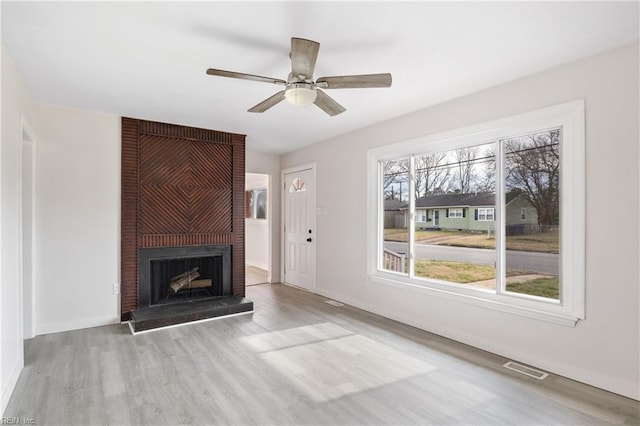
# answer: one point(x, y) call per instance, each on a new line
point(181, 186)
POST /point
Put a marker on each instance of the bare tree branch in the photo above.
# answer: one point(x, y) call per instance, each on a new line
point(465, 174)
point(533, 171)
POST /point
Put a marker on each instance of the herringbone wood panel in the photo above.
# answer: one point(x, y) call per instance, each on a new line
point(185, 186)
point(163, 209)
point(164, 161)
point(210, 165)
point(211, 210)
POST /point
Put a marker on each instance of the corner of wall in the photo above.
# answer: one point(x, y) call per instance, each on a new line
point(10, 385)
point(16, 106)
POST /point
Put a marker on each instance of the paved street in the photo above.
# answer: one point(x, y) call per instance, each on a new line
point(544, 263)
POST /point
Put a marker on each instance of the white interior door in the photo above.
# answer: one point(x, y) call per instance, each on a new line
point(299, 229)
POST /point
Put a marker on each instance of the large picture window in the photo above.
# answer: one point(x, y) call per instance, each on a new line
point(491, 215)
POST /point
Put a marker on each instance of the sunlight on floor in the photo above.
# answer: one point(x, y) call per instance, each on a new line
point(302, 354)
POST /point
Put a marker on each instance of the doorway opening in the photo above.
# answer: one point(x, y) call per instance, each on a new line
point(258, 219)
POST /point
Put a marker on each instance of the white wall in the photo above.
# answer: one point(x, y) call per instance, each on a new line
point(16, 109)
point(269, 164)
point(77, 218)
point(257, 247)
point(603, 350)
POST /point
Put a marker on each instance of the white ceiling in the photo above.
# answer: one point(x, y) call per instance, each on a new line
point(148, 60)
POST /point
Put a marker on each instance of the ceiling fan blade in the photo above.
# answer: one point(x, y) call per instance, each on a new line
point(242, 76)
point(269, 102)
point(303, 57)
point(355, 81)
point(327, 104)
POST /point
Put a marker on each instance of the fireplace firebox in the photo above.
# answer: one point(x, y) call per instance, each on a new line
point(183, 274)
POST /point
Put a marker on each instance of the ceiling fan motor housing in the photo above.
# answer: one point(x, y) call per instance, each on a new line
point(300, 93)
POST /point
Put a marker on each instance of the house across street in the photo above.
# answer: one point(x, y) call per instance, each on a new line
point(473, 212)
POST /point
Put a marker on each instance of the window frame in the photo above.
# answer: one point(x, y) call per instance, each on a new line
point(570, 306)
point(485, 212)
point(453, 213)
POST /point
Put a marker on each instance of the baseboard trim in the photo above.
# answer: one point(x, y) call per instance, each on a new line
point(75, 325)
point(11, 385)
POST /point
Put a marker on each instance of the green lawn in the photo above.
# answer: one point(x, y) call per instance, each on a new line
point(544, 287)
point(468, 273)
point(455, 272)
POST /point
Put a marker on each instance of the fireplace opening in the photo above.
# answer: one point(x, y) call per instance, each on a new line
point(179, 280)
point(184, 274)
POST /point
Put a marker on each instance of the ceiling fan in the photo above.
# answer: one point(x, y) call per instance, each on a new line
point(300, 88)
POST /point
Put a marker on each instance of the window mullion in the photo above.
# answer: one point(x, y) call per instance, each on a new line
point(412, 215)
point(500, 220)
point(380, 217)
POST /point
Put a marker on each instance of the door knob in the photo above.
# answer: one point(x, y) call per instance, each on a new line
point(308, 240)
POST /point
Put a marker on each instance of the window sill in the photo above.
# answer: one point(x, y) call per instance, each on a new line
point(485, 299)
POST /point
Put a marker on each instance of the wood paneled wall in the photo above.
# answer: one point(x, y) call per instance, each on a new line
point(181, 186)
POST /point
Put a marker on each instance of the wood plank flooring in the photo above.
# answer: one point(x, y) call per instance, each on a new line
point(254, 275)
point(297, 360)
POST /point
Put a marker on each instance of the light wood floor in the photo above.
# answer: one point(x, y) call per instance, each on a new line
point(254, 275)
point(296, 360)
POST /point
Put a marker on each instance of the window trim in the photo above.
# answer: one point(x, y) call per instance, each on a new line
point(570, 308)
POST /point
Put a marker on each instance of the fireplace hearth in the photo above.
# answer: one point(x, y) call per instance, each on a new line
point(183, 284)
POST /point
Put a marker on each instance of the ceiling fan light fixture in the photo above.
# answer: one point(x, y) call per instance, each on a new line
point(300, 94)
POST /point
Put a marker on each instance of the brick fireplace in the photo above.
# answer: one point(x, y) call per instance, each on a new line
point(182, 213)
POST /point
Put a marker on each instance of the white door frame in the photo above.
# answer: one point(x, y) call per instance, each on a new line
point(27, 136)
point(283, 214)
point(268, 223)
